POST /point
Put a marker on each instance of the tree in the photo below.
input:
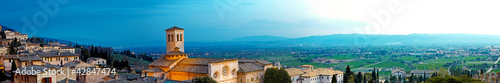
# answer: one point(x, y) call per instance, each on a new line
point(347, 74)
point(452, 79)
point(284, 75)
point(3, 77)
point(359, 78)
point(351, 79)
point(387, 81)
point(275, 75)
point(204, 79)
point(377, 77)
point(364, 79)
point(374, 74)
point(13, 67)
point(412, 78)
point(334, 78)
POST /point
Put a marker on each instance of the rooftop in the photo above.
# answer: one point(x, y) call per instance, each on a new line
point(174, 28)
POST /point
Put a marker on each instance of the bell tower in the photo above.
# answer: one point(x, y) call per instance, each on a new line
point(175, 39)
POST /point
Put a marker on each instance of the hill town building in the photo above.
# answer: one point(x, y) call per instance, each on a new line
point(309, 75)
point(177, 66)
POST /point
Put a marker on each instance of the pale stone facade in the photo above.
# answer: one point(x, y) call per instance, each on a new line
point(309, 75)
point(175, 38)
point(13, 35)
point(96, 61)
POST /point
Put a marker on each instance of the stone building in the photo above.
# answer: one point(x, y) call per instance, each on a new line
point(13, 35)
point(427, 73)
point(309, 75)
point(96, 61)
point(398, 72)
point(252, 70)
point(177, 66)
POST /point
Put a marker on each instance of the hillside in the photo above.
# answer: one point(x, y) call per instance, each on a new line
point(132, 61)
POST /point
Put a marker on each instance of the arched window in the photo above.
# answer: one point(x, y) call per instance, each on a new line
point(181, 37)
point(168, 38)
point(177, 37)
point(171, 37)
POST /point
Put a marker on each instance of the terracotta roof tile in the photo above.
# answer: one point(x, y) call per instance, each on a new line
point(249, 67)
point(162, 62)
point(190, 68)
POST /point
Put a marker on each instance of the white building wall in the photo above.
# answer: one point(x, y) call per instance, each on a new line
point(295, 79)
point(340, 78)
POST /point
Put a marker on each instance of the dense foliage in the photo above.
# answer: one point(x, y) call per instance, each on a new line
point(275, 75)
point(453, 79)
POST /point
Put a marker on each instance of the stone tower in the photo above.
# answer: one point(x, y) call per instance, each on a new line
point(175, 38)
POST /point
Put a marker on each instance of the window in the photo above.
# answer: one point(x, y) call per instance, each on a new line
point(65, 59)
point(168, 38)
point(181, 37)
point(215, 75)
point(47, 80)
point(224, 71)
point(234, 71)
point(177, 37)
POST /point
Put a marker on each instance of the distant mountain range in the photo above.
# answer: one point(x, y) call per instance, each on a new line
point(6, 28)
point(355, 40)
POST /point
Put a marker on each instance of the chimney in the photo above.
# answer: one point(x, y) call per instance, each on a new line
point(67, 81)
point(157, 80)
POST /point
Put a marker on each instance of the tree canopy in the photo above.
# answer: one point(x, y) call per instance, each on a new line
point(275, 75)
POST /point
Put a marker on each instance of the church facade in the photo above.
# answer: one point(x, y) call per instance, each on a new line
point(176, 65)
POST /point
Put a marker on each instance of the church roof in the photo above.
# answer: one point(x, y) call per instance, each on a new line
point(191, 68)
point(154, 70)
point(260, 62)
point(249, 67)
point(30, 58)
point(162, 62)
point(174, 28)
point(294, 71)
point(202, 61)
point(312, 72)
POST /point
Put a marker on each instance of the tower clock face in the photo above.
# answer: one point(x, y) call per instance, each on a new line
point(224, 71)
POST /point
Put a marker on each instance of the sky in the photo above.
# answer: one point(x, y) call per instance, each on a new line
point(140, 21)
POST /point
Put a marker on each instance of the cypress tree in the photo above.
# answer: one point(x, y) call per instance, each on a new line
point(347, 74)
point(377, 77)
point(334, 79)
point(359, 78)
point(374, 75)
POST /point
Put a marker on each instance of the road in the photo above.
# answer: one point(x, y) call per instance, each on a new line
point(491, 68)
point(369, 65)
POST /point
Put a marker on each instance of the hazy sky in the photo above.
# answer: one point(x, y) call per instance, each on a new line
point(219, 20)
